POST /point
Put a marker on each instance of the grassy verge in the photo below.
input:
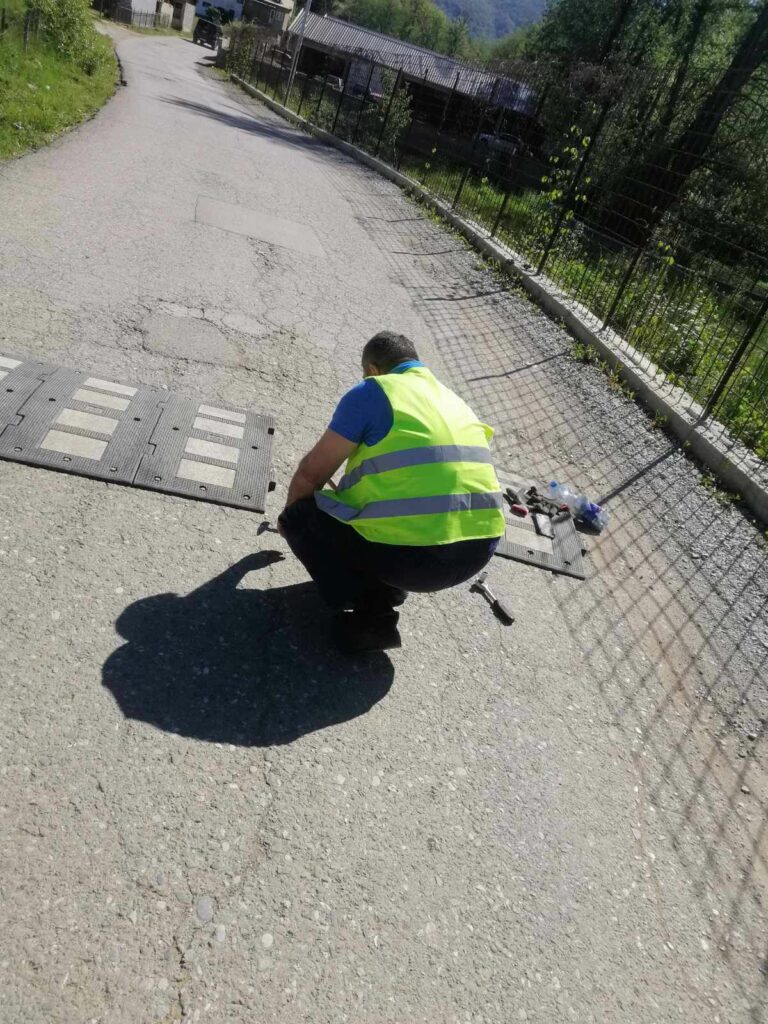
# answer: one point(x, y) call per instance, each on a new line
point(156, 31)
point(42, 93)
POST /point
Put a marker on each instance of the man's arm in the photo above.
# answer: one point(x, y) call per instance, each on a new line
point(318, 466)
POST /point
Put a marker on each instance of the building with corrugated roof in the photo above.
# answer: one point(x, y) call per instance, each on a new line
point(444, 91)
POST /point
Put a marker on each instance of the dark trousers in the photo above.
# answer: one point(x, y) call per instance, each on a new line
point(351, 572)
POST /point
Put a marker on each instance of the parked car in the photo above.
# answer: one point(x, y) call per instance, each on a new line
point(502, 144)
point(282, 57)
point(358, 90)
point(207, 33)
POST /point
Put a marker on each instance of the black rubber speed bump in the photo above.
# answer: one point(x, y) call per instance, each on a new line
point(68, 420)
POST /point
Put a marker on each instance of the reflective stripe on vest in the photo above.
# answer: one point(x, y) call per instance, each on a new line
point(415, 457)
point(395, 507)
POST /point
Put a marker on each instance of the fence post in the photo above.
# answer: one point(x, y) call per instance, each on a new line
point(362, 105)
point(502, 211)
point(276, 76)
point(407, 138)
point(341, 100)
point(261, 63)
point(2, 21)
point(476, 136)
point(572, 187)
point(253, 62)
point(735, 360)
point(518, 159)
point(320, 100)
point(451, 94)
point(27, 19)
point(303, 94)
point(623, 285)
point(385, 122)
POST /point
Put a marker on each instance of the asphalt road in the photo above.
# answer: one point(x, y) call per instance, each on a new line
point(207, 815)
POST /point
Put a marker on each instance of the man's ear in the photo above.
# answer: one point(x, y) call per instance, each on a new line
point(371, 370)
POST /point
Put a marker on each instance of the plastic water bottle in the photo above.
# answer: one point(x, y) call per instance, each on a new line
point(581, 507)
point(562, 494)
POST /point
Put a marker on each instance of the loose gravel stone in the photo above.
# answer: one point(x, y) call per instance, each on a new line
point(204, 909)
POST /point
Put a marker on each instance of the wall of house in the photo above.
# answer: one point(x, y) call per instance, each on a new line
point(140, 6)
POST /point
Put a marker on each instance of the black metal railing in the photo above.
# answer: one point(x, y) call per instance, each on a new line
point(654, 235)
point(125, 15)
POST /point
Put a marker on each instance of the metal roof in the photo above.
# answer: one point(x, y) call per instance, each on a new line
point(415, 61)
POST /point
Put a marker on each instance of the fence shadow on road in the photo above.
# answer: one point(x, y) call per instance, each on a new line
point(228, 664)
point(238, 118)
point(670, 630)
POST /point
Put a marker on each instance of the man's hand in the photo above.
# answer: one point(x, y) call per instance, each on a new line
point(318, 466)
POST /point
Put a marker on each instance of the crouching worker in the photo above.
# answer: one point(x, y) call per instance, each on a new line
point(419, 507)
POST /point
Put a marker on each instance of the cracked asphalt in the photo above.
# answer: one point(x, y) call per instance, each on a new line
point(207, 815)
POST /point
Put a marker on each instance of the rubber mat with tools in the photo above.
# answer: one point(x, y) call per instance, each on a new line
point(539, 532)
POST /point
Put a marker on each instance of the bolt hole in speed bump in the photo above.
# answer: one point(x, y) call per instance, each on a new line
point(69, 420)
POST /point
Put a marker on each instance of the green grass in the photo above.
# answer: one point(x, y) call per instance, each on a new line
point(158, 32)
point(41, 94)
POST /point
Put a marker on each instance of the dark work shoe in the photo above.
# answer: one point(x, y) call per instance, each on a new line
point(361, 633)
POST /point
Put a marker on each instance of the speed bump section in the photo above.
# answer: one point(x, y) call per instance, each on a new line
point(18, 381)
point(213, 453)
point(98, 431)
point(64, 419)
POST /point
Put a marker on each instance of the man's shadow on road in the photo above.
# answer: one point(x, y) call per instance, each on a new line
point(233, 665)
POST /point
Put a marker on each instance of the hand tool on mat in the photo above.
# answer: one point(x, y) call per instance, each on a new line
point(516, 504)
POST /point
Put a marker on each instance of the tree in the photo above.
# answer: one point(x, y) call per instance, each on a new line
point(522, 43)
point(661, 178)
point(416, 21)
point(457, 42)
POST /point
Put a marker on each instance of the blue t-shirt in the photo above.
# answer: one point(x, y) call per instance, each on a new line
point(364, 415)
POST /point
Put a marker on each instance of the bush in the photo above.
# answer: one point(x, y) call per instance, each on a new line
point(245, 40)
point(68, 25)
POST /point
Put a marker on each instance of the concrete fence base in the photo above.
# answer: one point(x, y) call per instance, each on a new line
point(739, 469)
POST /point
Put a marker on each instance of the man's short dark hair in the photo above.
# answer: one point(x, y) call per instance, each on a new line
point(386, 349)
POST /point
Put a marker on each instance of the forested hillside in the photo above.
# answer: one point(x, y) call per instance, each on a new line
point(492, 19)
point(460, 28)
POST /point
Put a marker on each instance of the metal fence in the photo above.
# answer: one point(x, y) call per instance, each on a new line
point(663, 242)
point(125, 15)
point(25, 26)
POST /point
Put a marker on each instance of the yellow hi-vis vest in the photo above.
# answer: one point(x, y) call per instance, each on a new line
point(430, 480)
